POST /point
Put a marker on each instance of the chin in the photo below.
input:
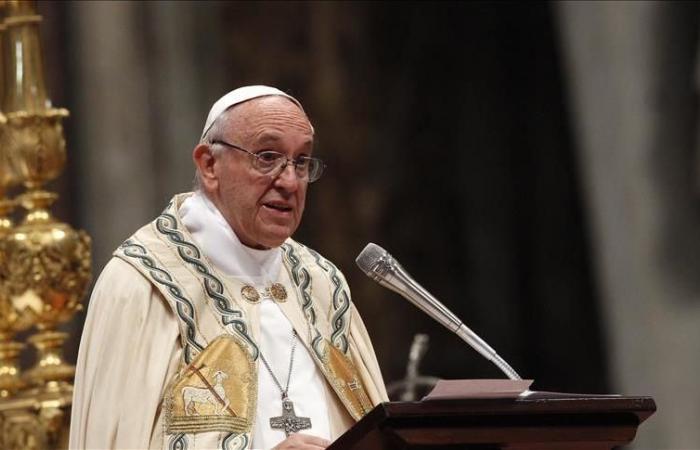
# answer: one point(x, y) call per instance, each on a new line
point(274, 241)
point(273, 235)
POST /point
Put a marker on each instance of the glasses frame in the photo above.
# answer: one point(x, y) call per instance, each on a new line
point(282, 167)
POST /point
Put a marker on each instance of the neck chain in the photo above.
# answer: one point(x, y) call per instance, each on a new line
point(284, 390)
point(288, 421)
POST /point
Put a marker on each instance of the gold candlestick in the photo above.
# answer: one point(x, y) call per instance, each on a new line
point(44, 264)
point(49, 268)
point(12, 320)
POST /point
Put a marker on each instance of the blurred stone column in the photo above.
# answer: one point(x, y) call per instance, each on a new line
point(630, 72)
point(144, 77)
point(186, 76)
point(113, 116)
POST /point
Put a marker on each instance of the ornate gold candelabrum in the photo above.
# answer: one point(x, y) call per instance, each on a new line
point(44, 263)
point(49, 265)
point(12, 319)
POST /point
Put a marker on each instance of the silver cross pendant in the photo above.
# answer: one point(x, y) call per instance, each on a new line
point(288, 421)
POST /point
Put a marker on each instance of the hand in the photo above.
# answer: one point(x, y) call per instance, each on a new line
point(299, 441)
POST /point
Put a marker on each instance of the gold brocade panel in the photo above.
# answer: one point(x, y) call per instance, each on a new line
point(346, 382)
point(216, 392)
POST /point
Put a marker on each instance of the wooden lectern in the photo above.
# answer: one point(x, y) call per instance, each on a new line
point(539, 421)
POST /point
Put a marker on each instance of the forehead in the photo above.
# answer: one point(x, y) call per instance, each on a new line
point(268, 118)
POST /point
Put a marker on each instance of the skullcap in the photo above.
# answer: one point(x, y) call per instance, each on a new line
point(240, 95)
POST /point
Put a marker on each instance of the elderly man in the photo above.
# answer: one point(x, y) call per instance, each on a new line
point(210, 327)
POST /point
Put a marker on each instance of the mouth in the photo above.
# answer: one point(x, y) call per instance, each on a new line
point(278, 206)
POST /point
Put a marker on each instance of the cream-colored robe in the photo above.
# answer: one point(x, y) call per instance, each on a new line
point(132, 348)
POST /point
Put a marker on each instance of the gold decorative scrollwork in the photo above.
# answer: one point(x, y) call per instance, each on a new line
point(22, 430)
point(44, 264)
point(49, 270)
point(38, 147)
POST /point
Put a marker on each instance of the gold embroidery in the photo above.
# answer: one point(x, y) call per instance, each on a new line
point(278, 292)
point(192, 396)
point(250, 293)
point(345, 381)
point(216, 392)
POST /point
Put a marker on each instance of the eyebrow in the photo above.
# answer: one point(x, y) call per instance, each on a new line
point(268, 138)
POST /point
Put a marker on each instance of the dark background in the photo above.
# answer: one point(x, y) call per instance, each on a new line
point(534, 165)
point(447, 138)
point(446, 134)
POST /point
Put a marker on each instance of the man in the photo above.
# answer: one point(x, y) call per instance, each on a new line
point(211, 328)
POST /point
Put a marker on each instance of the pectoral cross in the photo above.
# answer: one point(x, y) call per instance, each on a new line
point(288, 421)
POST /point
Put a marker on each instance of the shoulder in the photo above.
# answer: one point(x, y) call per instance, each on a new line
point(120, 288)
point(310, 258)
point(121, 273)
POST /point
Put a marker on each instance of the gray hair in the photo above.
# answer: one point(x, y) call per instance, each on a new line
point(215, 131)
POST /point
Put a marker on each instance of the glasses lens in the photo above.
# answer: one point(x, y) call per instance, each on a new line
point(306, 168)
point(268, 161)
point(315, 169)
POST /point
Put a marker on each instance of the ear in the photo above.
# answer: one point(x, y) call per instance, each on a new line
point(204, 160)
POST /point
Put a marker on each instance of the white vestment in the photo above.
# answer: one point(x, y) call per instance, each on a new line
point(132, 347)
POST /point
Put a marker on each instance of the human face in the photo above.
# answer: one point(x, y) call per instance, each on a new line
point(262, 209)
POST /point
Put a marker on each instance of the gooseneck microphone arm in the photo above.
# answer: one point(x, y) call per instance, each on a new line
point(379, 265)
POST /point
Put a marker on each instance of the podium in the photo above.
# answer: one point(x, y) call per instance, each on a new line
point(539, 421)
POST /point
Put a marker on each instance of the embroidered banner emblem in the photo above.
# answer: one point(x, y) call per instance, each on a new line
point(216, 392)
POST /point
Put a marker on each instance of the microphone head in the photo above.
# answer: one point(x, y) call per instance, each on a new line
point(369, 257)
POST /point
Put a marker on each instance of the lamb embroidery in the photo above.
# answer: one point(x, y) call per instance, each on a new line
point(214, 395)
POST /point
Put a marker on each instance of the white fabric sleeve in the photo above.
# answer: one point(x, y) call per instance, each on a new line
point(129, 351)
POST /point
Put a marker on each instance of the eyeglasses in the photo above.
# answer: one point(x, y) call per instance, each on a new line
point(268, 161)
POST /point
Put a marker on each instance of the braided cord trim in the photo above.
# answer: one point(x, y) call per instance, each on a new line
point(178, 442)
point(235, 442)
point(166, 224)
point(184, 307)
point(302, 280)
point(341, 303)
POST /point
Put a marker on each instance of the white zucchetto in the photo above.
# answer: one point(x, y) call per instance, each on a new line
point(240, 95)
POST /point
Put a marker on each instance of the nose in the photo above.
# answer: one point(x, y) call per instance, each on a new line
point(288, 178)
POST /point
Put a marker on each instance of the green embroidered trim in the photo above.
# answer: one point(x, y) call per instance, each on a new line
point(302, 280)
point(178, 442)
point(341, 303)
point(166, 224)
point(235, 442)
point(184, 307)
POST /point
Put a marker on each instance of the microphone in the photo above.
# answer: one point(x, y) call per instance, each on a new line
point(379, 265)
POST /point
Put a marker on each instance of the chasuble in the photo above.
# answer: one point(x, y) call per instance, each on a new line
point(171, 351)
